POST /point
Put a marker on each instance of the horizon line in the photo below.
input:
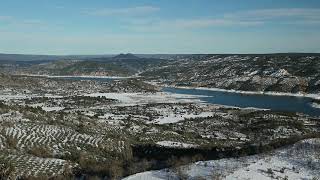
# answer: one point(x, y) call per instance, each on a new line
point(102, 54)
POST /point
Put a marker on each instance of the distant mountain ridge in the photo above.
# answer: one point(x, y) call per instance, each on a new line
point(36, 57)
point(126, 56)
point(32, 57)
point(119, 65)
point(294, 73)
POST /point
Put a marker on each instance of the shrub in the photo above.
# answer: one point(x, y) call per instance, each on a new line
point(11, 142)
point(40, 152)
point(7, 171)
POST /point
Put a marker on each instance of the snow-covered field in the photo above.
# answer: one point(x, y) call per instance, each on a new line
point(89, 77)
point(299, 161)
point(175, 144)
point(48, 109)
point(8, 97)
point(173, 118)
point(129, 99)
point(14, 97)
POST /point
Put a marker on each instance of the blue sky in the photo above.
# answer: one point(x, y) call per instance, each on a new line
point(159, 26)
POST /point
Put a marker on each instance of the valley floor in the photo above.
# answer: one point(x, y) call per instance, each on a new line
point(53, 127)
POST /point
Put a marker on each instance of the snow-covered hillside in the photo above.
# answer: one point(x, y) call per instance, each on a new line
point(299, 161)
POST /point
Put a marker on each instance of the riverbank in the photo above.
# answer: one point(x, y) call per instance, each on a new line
point(294, 103)
point(270, 93)
point(315, 105)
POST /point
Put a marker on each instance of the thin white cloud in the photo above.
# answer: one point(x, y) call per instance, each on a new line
point(24, 25)
point(13, 20)
point(176, 25)
point(203, 23)
point(59, 7)
point(5, 18)
point(220, 42)
point(32, 22)
point(281, 14)
point(293, 16)
point(130, 11)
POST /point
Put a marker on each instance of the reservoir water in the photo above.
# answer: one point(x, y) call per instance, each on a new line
point(276, 103)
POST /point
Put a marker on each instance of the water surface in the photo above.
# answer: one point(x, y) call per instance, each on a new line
point(277, 103)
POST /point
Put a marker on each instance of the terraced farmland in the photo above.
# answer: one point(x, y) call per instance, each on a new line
point(27, 165)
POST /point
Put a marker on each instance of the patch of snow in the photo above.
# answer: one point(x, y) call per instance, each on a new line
point(36, 105)
point(111, 116)
point(89, 77)
point(173, 118)
point(90, 113)
point(7, 97)
point(269, 168)
point(315, 105)
point(280, 73)
point(14, 97)
point(298, 161)
point(128, 99)
point(49, 109)
point(175, 144)
point(53, 96)
point(253, 73)
point(151, 175)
